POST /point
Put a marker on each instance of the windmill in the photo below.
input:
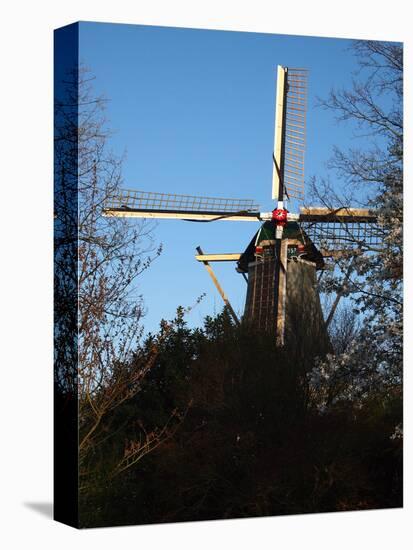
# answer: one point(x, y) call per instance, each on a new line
point(283, 250)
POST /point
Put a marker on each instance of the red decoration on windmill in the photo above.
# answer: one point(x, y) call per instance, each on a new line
point(279, 215)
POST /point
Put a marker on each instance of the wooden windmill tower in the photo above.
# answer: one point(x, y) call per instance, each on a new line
point(280, 262)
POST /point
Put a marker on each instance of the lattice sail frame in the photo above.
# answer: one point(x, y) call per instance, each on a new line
point(295, 132)
point(129, 199)
point(289, 134)
point(338, 235)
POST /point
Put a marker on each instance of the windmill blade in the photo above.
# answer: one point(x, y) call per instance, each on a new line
point(290, 129)
point(344, 227)
point(146, 204)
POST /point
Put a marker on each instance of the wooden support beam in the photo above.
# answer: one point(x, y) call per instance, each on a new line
point(218, 286)
point(218, 257)
point(282, 293)
point(171, 215)
point(322, 214)
point(277, 176)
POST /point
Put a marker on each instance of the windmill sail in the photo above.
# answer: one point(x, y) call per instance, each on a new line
point(334, 229)
point(290, 129)
point(147, 204)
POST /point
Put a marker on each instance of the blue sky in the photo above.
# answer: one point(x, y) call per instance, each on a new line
point(194, 111)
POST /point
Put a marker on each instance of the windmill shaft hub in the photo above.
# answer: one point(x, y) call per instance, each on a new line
point(280, 216)
point(268, 216)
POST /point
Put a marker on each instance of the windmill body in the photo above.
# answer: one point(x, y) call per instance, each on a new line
point(260, 264)
point(281, 260)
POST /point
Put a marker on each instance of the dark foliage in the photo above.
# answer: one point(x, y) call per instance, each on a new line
point(249, 441)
